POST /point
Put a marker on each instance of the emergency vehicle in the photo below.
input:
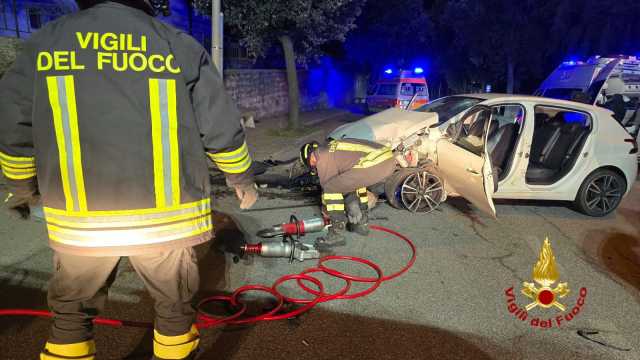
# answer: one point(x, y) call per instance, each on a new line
point(406, 89)
point(599, 78)
point(596, 81)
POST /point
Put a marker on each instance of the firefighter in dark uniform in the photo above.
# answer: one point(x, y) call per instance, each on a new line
point(346, 168)
point(115, 114)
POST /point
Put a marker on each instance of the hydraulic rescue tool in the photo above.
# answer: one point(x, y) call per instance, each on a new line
point(288, 247)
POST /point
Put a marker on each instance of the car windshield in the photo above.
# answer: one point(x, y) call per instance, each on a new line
point(448, 107)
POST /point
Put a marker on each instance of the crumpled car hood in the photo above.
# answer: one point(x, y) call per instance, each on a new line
point(388, 127)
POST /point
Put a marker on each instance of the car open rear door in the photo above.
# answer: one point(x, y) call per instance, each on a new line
point(464, 162)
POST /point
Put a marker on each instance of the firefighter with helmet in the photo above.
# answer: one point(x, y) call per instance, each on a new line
point(346, 168)
point(115, 114)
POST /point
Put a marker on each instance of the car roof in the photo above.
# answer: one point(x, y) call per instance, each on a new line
point(496, 97)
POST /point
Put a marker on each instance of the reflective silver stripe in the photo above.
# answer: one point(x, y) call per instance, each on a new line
point(116, 219)
point(166, 146)
point(64, 109)
point(130, 237)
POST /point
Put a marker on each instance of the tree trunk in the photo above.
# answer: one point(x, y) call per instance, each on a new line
point(292, 81)
point(510, 76)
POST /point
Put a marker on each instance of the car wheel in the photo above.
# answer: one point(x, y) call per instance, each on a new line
point(416, 189)
point(600, 193)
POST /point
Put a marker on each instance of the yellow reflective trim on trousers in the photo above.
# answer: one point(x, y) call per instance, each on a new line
point(52, 85)
point(130, 237)
point(332, 196)
point(44, 356)
point(178, 351)
point(156, 136)
point(335, 207)
point(362, 195)
point(173, 142)
point(230, 156)
point(192, 334)
point(75, 141)
point(148, 211)
point(85, 348)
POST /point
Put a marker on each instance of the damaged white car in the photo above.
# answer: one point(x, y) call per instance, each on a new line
point(492, 146)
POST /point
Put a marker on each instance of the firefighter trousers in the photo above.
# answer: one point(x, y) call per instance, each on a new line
point(78, 291)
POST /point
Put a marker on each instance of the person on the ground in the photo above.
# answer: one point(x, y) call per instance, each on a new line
point(346, 168)
point(115, 114)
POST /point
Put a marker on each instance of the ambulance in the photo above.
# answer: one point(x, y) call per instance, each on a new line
point(405, 89)
point(598, 81)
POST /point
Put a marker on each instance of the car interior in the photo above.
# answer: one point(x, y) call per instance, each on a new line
point(558, 138)
point(504, 130)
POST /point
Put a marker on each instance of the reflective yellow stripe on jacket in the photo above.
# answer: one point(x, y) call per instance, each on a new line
point(65, 119)
point(128, 227)
point(233, 162)
point(374, 156)
point(16, 167)
point(164, 130)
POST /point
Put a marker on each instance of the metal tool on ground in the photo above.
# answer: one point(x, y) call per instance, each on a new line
point(304, 280)
point(290, 245)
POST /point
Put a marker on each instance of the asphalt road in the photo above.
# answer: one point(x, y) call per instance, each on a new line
point(450, 305)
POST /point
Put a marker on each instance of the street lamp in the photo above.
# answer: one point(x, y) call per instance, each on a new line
point(217, 25)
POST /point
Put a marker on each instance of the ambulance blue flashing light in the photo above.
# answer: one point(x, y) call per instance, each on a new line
point(388, 71)
point(570, 62)
point(418, 70)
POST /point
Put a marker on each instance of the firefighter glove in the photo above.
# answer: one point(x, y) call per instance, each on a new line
point(17, 206)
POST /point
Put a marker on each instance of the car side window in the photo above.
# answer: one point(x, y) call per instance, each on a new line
point(470, 130)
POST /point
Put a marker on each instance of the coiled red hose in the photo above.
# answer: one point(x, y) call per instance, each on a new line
point(207, 320)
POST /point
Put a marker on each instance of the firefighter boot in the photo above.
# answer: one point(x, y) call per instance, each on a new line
point(362, 226)
point(335, 236)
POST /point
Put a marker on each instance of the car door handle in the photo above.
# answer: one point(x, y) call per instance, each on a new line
point(472, 171)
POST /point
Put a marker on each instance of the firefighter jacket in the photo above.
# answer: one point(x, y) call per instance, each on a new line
point(116, 114)
point(348, 164)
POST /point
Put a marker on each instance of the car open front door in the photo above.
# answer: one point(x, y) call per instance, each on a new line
point(464, 162)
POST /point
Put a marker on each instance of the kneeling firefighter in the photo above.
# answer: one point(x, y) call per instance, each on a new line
point(121, 162)
point(346, 168)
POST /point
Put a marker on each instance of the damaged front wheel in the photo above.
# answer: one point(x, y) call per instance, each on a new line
point(417, 190)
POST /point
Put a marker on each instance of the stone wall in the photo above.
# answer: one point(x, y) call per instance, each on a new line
point(8, 50)
point(265, 92)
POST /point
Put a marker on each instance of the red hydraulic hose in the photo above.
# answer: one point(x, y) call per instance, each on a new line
point(207, 320)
